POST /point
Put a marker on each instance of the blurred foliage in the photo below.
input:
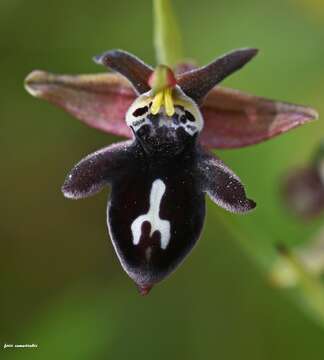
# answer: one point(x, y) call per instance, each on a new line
point(62, 286)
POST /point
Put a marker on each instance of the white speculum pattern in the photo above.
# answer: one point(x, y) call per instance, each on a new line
point(153, 217)
point(187, 114)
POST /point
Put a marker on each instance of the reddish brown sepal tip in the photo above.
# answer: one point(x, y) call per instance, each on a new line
point(144, 289)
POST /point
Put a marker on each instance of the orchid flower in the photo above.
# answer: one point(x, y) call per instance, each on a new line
point(160, 176)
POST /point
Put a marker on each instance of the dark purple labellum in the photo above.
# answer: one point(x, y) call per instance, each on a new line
point(155, 214)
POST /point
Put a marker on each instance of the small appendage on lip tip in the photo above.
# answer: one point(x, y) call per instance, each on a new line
point(144, 289)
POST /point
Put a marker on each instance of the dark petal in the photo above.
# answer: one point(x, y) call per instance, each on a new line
point(303, 192)
point(235, 119)
point(198, 82)
point(100, 101)
point(222, 185)
point(96, 170)
point(128, 65)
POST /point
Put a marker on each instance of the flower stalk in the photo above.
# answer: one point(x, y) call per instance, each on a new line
point(167, 37)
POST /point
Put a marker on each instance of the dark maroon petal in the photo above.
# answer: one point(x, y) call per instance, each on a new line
point(198, 82)
point(128, 65)
point(303, 192)
point(234, 119)
point(101, 100)
point(222, 185)
point(96, 170)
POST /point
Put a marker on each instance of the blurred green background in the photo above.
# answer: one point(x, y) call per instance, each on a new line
point(61, 284)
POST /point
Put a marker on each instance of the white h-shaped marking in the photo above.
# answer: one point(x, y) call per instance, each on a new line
point(153, 217)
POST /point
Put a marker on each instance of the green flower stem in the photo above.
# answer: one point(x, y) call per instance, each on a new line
point(167, 38)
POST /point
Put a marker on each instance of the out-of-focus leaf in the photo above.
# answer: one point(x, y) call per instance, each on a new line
point(167, 38)
point(101, 101)
point(235, 119)
point(308, 287)
point(309, 255)
point(79, 327)
point(313, 7)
